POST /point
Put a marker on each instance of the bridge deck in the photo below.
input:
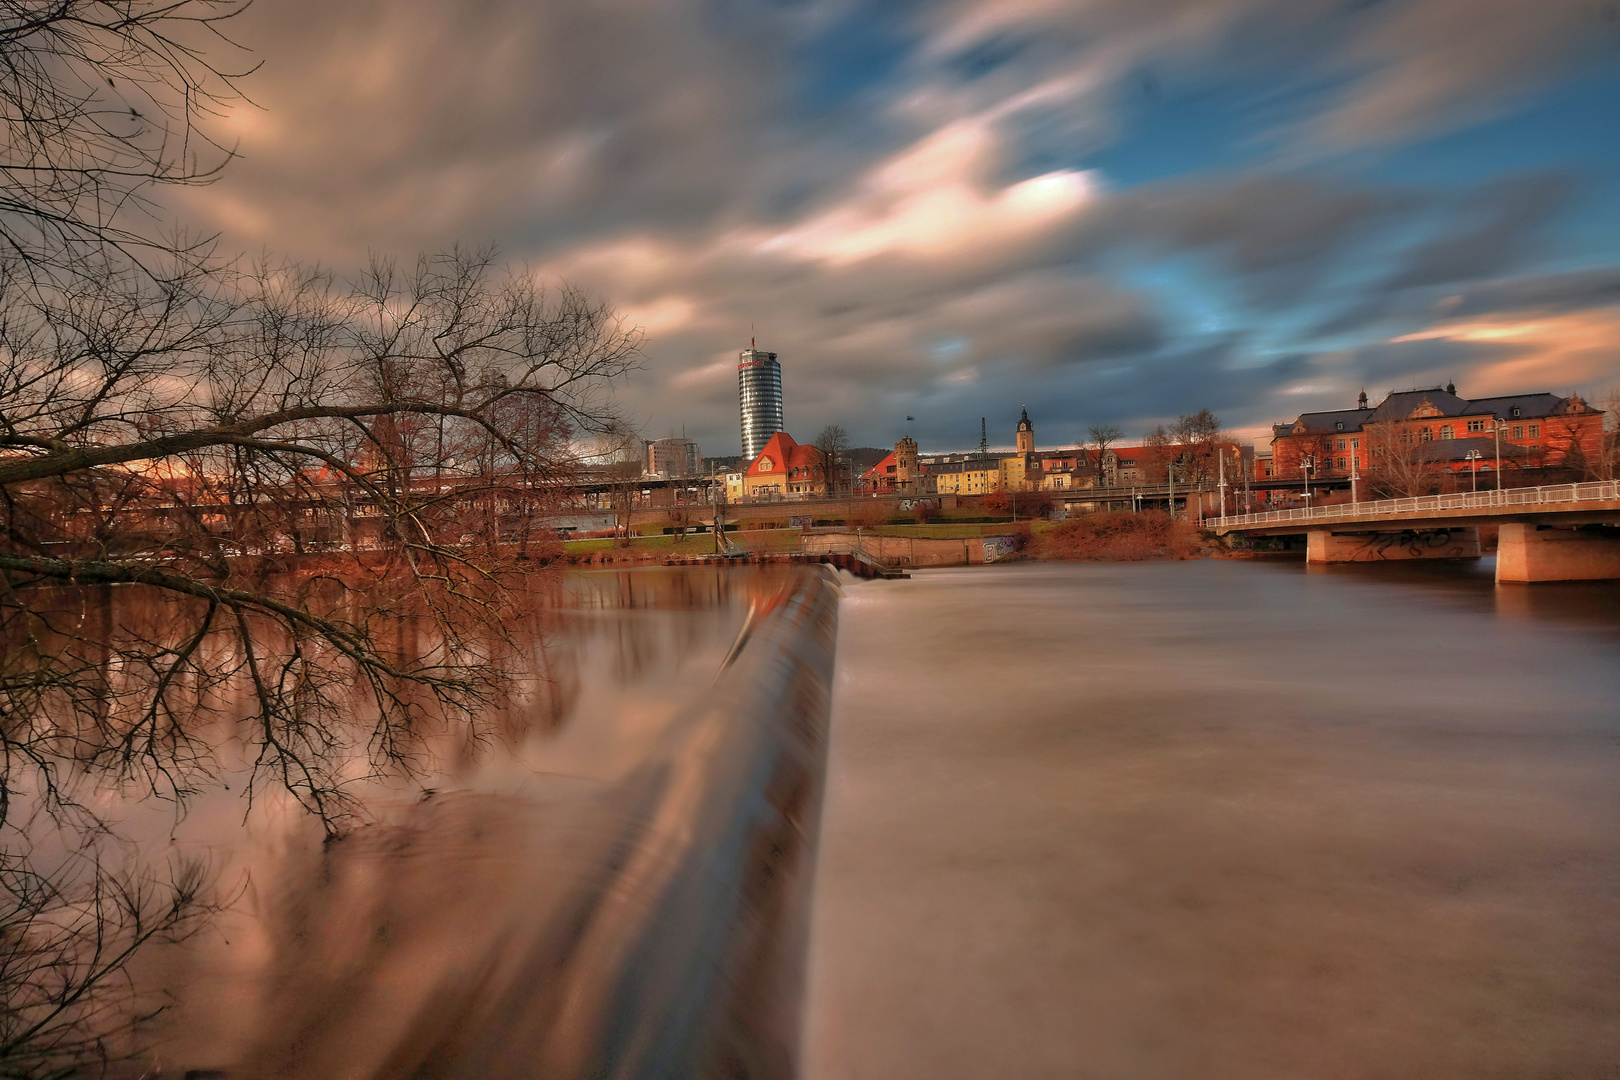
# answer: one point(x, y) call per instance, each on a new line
point(1564, 504)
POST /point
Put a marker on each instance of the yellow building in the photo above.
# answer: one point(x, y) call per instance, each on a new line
point(974, 474)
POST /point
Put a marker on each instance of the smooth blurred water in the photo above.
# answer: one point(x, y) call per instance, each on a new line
point(1220, 819)
point(486, 919)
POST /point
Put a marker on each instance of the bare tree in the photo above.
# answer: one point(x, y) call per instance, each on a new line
point(102, 100)
point(1158, 452)
point(319, 490)
point(1102, 437)
point(833, 446)
point(1197, 437)
point(1397, 461)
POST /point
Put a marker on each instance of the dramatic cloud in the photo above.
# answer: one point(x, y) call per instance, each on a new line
point(1106, 210)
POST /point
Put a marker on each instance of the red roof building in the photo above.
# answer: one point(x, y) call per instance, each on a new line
point(784, 467)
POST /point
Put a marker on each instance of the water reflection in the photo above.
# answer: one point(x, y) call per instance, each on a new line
point(436, 939)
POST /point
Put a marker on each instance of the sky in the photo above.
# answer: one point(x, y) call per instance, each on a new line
point(1106, 211)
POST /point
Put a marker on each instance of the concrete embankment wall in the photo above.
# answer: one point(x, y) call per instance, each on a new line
point(911, 551)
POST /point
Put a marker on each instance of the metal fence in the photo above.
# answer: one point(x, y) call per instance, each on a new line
point(1549, 495)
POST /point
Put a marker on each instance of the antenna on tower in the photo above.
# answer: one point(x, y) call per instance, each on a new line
point(984, 438)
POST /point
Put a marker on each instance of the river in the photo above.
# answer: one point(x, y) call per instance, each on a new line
point(1201, 819)
point(1220, 819)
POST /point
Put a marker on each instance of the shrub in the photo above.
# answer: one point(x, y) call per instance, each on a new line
point(1118, 537)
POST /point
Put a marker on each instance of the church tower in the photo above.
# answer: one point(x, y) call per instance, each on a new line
point(1026, 434)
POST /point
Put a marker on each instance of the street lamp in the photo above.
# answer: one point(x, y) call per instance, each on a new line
point(1501, 426)
point(1306, 464)
point(1472, 457)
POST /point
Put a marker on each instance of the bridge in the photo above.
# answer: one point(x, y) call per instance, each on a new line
point(1559, 532)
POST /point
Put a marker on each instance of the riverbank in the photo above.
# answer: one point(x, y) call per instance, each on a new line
point(1100, 537)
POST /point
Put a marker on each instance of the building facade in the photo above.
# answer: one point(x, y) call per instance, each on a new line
point(674, 457)
point(784, 469)
point(899, 473)
point(759, 399)
point(1414, 438)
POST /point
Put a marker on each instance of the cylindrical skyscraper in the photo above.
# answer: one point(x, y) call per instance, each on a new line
point(759, 399)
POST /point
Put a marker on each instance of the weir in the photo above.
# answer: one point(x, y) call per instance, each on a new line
point(636, 906)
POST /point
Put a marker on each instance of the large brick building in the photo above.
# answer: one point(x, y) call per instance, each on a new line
point(1426, 436)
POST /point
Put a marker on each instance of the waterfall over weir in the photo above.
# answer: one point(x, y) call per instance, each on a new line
point(623, 897)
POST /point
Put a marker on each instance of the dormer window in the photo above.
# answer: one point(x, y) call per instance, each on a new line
point(1338, 425)
point(1514, 413)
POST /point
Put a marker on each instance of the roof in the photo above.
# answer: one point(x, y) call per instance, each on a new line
point(880, 470)
point(783, 454)
point(1530, 406)
point(1403, 403)
point(1327, 423)
point(975, 463)
point(1446, 405)
point(1457, 450)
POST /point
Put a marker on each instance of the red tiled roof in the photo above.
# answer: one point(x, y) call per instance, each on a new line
point(784, 454)
point(879, 471)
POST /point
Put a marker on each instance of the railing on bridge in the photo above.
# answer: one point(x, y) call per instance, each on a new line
point(1463, 500)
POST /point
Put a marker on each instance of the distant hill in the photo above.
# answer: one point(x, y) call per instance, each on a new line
point(864, 457)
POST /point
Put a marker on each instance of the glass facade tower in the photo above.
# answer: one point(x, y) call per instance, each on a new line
point(759, 399)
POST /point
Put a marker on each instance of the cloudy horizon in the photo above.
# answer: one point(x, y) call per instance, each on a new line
point(1112, 211)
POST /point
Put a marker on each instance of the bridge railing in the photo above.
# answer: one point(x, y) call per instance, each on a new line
point(1549, 494)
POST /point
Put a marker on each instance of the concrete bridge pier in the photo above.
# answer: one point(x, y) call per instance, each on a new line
point(1529, 553)
point(1324, 546)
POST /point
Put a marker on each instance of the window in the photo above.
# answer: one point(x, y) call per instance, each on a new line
point(1406, 438)
point(1338, 425)
point(1341, 444)
point(1535, 431)
point(1476, 425)
point(1341, 464)
point(1445, 432)
point(1514, 412)
point(1426, 435)
point(1355, 444)
point(1518, 432)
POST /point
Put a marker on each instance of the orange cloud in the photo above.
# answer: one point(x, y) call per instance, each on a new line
point(1560, 351)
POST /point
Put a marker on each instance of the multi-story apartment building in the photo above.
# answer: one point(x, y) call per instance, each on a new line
point(674, 457)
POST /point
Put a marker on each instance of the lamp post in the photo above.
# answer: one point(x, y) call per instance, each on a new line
point(1501, 426)
point(1472, 457)
point(1306, 463)
point(1170, 478)
point(1355, 474)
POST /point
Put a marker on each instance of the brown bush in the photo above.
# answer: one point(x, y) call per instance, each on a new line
point(1118, 537)
point(869, 514)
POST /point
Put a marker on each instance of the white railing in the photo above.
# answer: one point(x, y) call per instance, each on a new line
point(1551, 494)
